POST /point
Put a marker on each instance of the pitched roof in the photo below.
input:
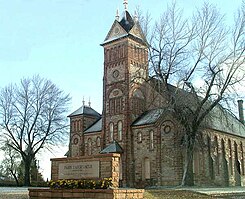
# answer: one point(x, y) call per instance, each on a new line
point(222, 120)
point(126, 25)
point(95, 127)
point(85, 110)
point(127, 21)
point(113, 148)
point(148, 117)
point(218, 119)
point(67, 154)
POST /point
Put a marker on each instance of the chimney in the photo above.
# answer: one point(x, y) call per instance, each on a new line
point(240, 110)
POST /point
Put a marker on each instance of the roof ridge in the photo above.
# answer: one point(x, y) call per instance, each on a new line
point(85, 110)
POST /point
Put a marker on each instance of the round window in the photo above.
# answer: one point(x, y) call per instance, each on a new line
point(167, 129)
point(75, 141)
point(115, 73)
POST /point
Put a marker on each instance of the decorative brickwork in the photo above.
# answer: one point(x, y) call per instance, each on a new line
point(46, 193)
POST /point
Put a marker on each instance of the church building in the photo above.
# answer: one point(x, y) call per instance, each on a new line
point(137, 123)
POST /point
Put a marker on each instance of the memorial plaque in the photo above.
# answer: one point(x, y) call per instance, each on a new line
point(79, 170)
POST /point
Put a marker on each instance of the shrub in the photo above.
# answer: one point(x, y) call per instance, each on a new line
point(81, 184)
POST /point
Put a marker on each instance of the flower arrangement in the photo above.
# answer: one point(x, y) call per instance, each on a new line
point(105, 183)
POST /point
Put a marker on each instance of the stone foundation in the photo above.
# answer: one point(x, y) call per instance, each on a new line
point(46, 193)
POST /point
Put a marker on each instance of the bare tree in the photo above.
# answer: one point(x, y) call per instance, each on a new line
point(10, 164)
point(204, 60)
point(32, 118)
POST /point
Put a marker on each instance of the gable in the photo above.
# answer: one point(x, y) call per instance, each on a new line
point(115, 32)
point(137, 31)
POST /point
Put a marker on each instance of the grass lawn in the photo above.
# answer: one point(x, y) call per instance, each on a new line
point(174, 194)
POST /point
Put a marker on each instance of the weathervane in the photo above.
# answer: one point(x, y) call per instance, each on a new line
point(125, 4)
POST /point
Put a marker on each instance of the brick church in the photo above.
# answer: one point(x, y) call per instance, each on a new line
point(137, 123)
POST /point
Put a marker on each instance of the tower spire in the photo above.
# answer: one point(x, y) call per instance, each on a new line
point(83, 101)
point(135, 16)
point(89, 102)
point(117, 15)
point(125, 2)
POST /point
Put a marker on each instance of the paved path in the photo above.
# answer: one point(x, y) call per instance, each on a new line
point(217, 190)
point(220, 192)
point(14, 193)
point(14, 190)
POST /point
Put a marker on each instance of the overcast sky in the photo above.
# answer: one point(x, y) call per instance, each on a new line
point(60, 40)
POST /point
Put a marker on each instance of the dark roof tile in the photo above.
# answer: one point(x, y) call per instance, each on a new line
point(148, 117)
point(127, 21)
point(112, 148)
point(95, 127)
point(85, 110)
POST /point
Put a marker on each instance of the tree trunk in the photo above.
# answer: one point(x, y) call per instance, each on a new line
point(15, 177)
point(188, 176)
point(27, 179)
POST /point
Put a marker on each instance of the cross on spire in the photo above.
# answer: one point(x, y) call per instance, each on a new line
point(125, 2)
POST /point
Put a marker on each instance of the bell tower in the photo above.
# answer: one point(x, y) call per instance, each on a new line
point(125, 70)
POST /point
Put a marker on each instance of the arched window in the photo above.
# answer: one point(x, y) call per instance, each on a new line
point(75, 141)
point(116, 99)
point(216, 152)
point(89, 146)
point(230, 157)
point(242, 158)
point(110, 55)
point(151, 140)
point(237, 162)
point(138, 101)
point(74, 126)
point(147, 168)
point(119, 130)
point(98, 141)
point(139, 137)
point(77, 125)
point(211, 166)
point(111, 132)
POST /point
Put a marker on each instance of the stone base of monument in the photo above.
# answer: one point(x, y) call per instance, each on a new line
point(47, 193)
point(96, 167)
